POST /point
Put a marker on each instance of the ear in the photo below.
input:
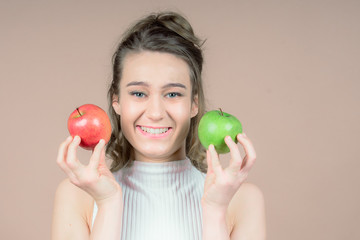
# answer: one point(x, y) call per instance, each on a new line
point(194, 106)
point(115, 104)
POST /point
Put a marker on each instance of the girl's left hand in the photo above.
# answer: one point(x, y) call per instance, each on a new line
point(222, 184)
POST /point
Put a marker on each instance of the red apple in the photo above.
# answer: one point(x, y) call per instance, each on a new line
point(90, 123)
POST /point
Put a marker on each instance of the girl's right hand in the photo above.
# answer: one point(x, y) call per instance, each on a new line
point(95, 178)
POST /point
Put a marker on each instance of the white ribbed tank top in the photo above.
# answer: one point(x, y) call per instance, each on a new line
point(161, 201)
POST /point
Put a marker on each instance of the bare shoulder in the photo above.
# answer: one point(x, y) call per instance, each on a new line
point(250, 192)
point(72, 212)
point(69, 191)
point(248, 213)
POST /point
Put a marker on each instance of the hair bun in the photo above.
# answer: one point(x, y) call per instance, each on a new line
point(178, 24)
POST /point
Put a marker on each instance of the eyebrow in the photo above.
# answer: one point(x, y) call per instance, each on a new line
point(169, 85)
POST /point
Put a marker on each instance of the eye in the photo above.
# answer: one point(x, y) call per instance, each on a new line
point(137, 94)
point(174, 94)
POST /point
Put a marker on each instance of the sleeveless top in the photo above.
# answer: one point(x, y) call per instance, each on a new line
point(161, 200)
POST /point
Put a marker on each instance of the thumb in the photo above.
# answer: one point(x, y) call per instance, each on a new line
point(208, 161)
point(97, 154)
point(102, 156)
point(210, 174)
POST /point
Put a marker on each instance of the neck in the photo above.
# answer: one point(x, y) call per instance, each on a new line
point(177, 155)
point(146, 176)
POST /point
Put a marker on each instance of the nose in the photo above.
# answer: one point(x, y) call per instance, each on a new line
point(155, 109)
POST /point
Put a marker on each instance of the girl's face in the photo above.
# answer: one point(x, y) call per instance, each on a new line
point(155, 105)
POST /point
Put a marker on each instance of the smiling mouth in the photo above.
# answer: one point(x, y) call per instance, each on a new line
point(155, 131)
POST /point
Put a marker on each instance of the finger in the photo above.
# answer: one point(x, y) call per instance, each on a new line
point(62, 151)
point(215, 164)
point(62, 154)
point(235, 161)
point(244, 162)
point(208, 160)
point(97, 154)
point(71, 160)
point(250, 154)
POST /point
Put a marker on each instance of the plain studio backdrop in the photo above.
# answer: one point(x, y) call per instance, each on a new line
point(289, 70)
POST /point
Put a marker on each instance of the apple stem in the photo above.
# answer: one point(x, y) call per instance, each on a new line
point(222, 114)
point(78, 111)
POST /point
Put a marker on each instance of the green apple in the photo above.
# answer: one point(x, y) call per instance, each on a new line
point(214, 126)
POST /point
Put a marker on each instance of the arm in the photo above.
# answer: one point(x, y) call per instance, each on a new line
point(222, 187)
point(108, 221)
point(215, 225)
point(71, 218)
point(248, 209)
point(76, 195)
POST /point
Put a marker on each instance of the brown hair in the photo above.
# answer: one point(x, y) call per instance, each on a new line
point(167, 32)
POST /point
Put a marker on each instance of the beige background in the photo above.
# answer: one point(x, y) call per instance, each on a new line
point(289, 70)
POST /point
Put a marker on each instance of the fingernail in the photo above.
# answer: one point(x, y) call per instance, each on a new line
point(228, 138)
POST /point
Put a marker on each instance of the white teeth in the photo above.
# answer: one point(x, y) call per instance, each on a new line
point(155, 131)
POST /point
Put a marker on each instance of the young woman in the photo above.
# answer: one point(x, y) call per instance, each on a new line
point(162, 183)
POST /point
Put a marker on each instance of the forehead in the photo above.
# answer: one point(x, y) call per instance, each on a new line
point(155, 68)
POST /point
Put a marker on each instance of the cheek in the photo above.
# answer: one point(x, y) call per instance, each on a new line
point(127, 121)
point(181, 114)
point(129, 113)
